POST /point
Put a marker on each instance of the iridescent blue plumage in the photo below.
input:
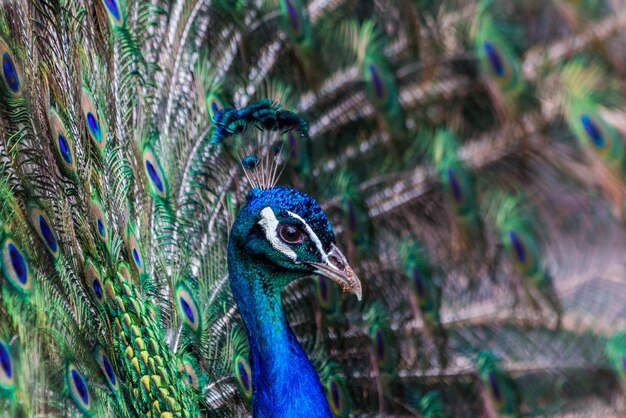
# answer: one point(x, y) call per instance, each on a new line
point(188, 307)
point(79, 391)
point(65, 149)
point(7, 376)
point(5, 361)
point(10, 73)
point(592, 130)
point(14, 265)
point(18, 264)
point(108, 369)
point(111, 5)
point(279, 235)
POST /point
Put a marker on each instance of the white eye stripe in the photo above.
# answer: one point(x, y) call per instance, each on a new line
point(269, 223)
point(312, 235)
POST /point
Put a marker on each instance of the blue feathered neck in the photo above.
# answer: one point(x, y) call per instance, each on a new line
point(285, 384)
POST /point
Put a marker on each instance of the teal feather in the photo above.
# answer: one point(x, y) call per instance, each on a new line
point(425, 293)
point(295, 21)
point(582, 99)
point(616, 353)
point(498, 384)
point(368, 45)
point(327, 295)
point(335, 385)
point(381, 339)
point(498, 59)
point(518, 236)
point(460, 194)
point(240, 364)
point(431, 405)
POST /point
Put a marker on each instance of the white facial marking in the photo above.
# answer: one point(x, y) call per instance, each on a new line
point(312, 235)
point(269, 223)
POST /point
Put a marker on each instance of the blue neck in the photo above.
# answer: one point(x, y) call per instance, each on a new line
point(284, 382)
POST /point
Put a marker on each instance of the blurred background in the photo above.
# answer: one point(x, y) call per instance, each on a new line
point(472, 155)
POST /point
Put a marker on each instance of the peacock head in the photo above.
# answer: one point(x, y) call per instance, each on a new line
point(284, 232)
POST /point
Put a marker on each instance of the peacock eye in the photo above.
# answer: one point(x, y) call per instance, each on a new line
point(291, 234)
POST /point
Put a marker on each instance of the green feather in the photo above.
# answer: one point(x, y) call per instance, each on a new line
point(498, 60)
point(500, 387)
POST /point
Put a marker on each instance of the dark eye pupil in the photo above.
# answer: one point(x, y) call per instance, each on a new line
point(290, 233)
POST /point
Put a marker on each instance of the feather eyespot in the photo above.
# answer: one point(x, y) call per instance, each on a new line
point(114, 10)
point(107, 369)
point(290, 234)
point(136, 257)
point(94, 126)
point(500, 63)
point(93, 279)
point(100, 225)
point(377, 82)
point(380, 346)
point(494, 387)
point(380, 84)
point(135, 251)
point(78, 389)
point(337, 397)
point(593, 130)
point(243, 375)
point(93, 122)
point(455, 186)
point(323, 285)
point(323, 294)
point(518, 247)
point(522, 248)
point(7, 378)
point(293, 15)
point(418, 281)
point(14, 265)
point(214, 105)
point(123, 273)
point(44, 229)
point(62, 143)
point(17, 262)
point(64, 149)
point(155, 174)
point(495, 59)
point(190, 374)
point(188, 307)
point(10, 71)
point(335, 394)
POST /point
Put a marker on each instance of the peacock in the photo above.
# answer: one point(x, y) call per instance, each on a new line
point(312, 208)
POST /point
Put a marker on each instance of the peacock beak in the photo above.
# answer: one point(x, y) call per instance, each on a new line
point(336, 268)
